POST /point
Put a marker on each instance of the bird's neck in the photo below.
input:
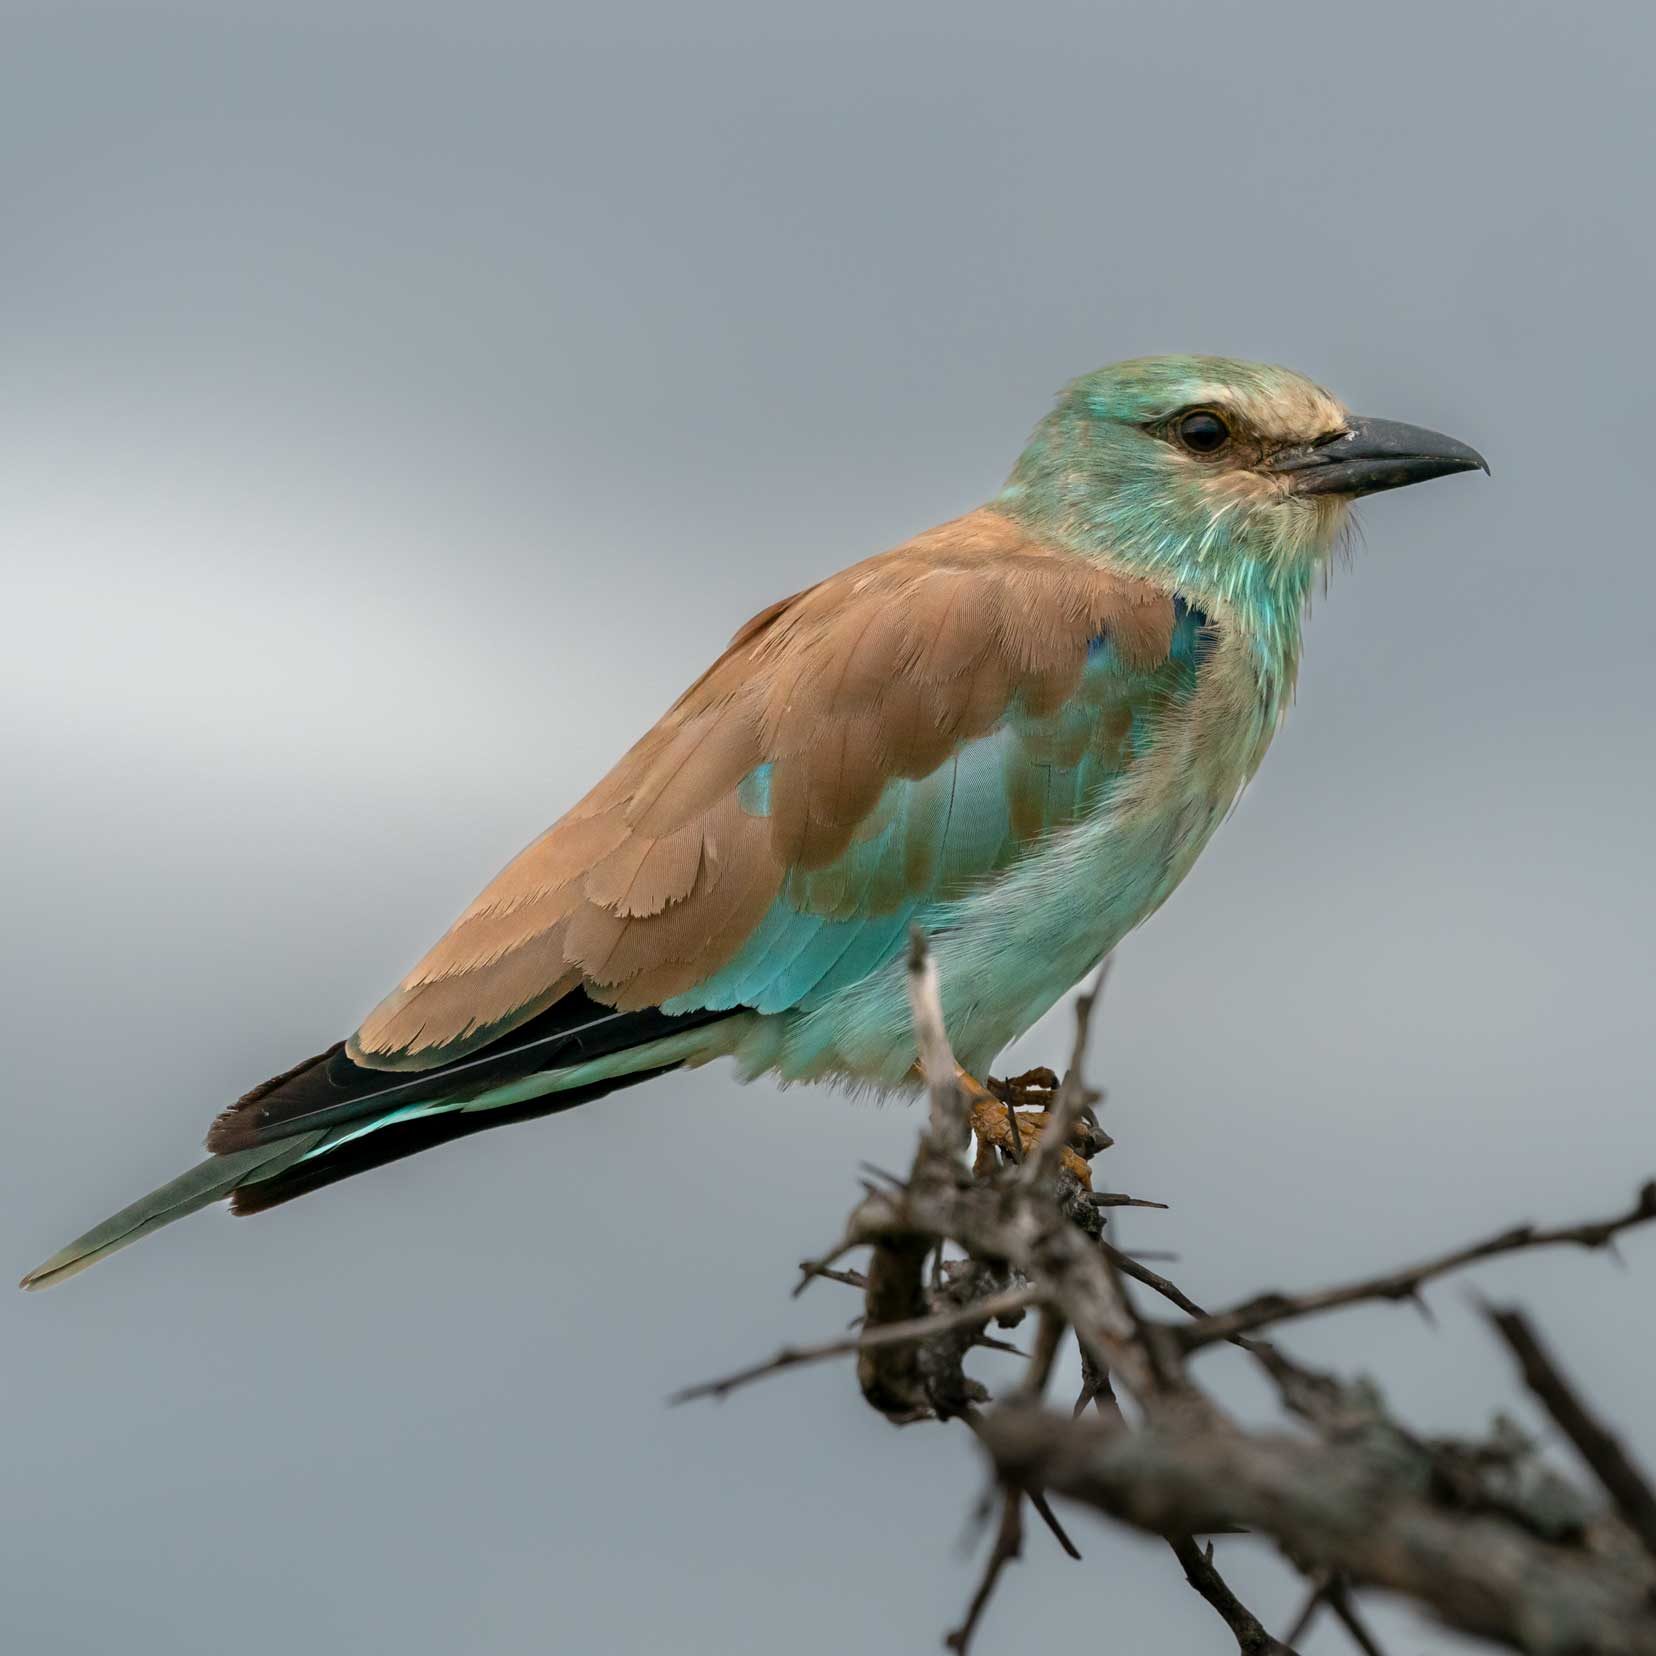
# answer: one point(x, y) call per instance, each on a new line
point(1254, 565)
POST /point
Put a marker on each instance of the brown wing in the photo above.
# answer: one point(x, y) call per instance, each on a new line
point(654, 880)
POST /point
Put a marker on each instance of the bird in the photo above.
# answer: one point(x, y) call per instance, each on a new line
point(1015, 731)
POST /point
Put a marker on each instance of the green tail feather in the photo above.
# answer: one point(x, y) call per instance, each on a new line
point(256, 1171)
point(207, 1182)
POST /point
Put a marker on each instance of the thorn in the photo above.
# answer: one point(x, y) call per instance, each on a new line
point(990, 1343)
point(885, 1174)
point(1050, 1518)
point(811, 1269)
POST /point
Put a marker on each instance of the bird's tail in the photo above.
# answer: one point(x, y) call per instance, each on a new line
point(329, 1118)
point(208, 1181)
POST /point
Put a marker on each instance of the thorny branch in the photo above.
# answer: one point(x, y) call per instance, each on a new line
point(1482, 1534)
point(1269, 1309)
point(913, 1332)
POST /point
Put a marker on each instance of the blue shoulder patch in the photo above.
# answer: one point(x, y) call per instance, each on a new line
point(1191, 641)
point(1192, 637)
point(753, 793)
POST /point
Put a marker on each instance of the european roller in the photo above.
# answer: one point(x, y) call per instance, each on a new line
point(1016, 731)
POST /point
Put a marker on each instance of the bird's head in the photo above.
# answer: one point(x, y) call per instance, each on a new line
point(1224, 475)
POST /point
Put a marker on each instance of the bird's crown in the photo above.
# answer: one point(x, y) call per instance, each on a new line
point(1260, 401)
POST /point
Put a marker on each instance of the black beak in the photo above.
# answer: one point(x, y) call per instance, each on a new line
point(1371, 455)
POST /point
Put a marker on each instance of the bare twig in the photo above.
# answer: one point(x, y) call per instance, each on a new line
point(809, 1268)
point(1268, 1309)
point(1345, 1612)
point(1097, 1390)
point(1044, 1159)
point(1008, 1545)
point(1251, 1637)
point(889, 1334)
point(1314, 1601)
point(1048, 1334)
point(1129, 1266)
point(949, 1108)
point(1624, 1482)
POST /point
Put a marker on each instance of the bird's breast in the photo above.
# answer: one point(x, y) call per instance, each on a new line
point(1205, 742)
point(1111, 798)
point(1014, 949)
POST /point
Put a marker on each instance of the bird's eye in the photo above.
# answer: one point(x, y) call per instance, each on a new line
point(1202, 431)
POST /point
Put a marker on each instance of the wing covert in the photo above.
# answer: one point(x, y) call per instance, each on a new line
point(861, 751)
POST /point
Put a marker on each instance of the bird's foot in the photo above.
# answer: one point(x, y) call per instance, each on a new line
point(996, 1106)
point(1034, 1089)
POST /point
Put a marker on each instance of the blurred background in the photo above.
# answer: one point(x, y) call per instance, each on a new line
point(403, 403)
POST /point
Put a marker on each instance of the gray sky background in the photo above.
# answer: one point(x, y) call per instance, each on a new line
point(402, 405)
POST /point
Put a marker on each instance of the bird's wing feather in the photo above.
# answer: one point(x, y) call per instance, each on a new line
point(863, 748)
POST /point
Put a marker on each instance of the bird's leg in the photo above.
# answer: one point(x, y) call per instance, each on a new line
point(994, 1107)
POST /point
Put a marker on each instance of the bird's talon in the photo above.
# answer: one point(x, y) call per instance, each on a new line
point(1033, 1088)
point(991, 1120)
